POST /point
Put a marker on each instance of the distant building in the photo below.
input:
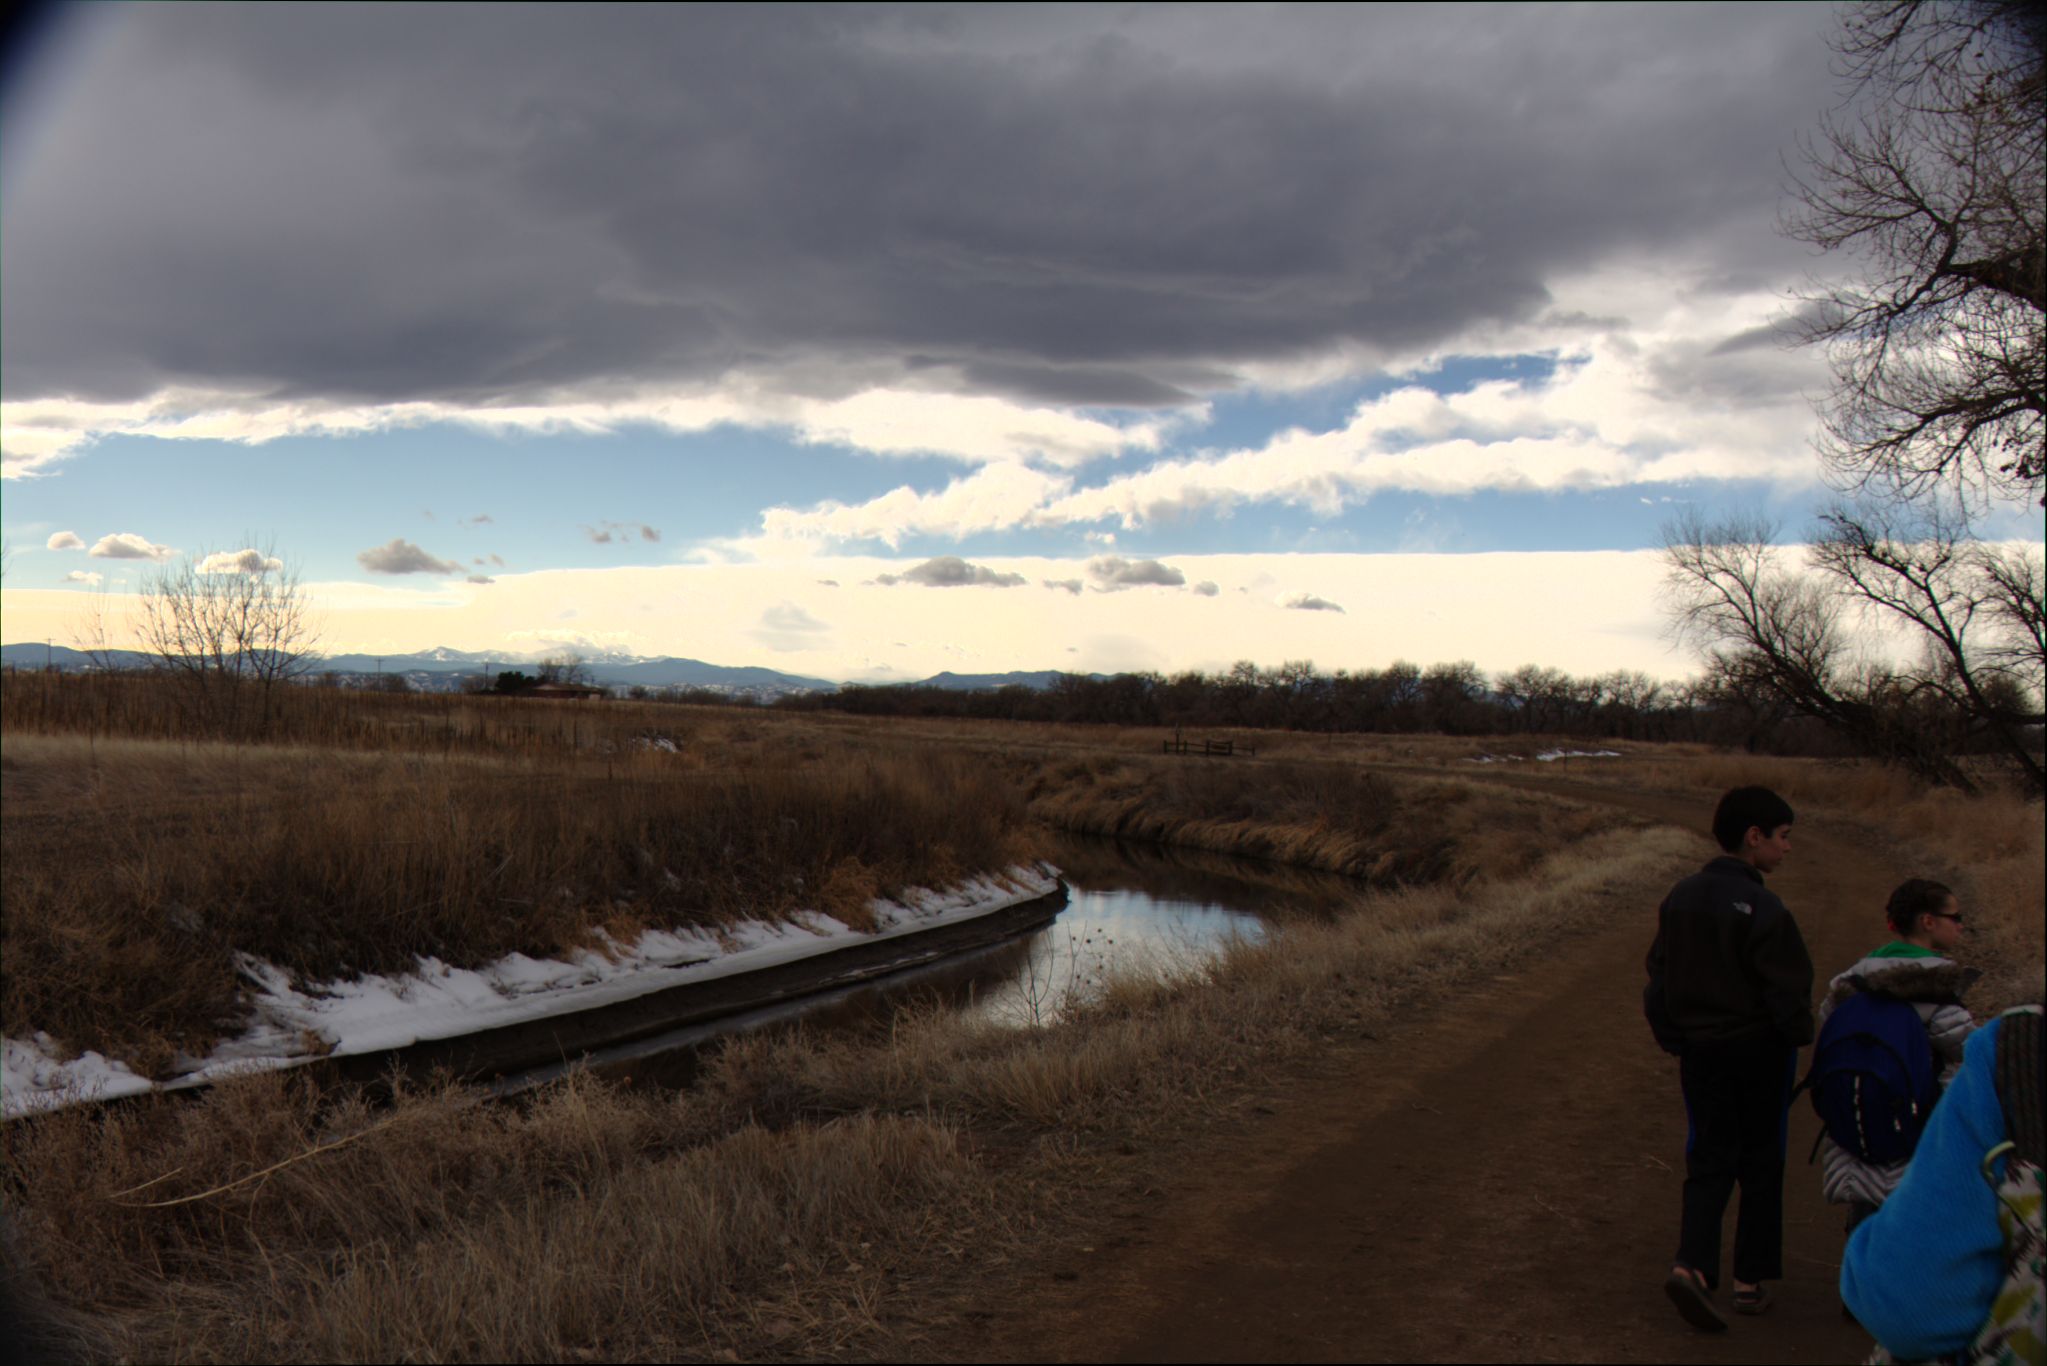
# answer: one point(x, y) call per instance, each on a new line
point(571, 691)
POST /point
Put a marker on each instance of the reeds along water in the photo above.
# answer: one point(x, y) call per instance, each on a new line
point(367, 829)
point(596, 1220)
point(135, 870)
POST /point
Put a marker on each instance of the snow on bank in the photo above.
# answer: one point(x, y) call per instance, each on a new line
point(370, 1014)
point(1548, 756)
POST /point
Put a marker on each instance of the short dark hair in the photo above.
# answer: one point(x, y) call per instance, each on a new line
point(1915, 897)
point(1745, 807)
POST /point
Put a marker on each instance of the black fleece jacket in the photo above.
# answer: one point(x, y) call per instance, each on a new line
point(1728, 965)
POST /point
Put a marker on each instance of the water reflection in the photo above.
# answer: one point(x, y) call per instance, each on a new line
point(1133, 909)
point(1106, 933)
point(1271, 891)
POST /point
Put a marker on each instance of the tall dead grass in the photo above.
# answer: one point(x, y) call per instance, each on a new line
point(1991, 846)
point(593, 1223)
point(770, 1210)
point(1384, 830)
point(135, 871)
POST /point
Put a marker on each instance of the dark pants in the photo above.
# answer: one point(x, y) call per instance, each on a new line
point(1738, 1100)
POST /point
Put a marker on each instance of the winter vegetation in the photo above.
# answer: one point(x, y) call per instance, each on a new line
point(831, 1193)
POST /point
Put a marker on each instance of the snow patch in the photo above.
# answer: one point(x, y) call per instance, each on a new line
point(292, 1026)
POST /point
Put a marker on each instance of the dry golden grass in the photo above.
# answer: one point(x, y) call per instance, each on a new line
point(134, 871)
point(1332, 815)
point(1146, 1046)
point(1991, 847)
point(768, 1210)
point(593, 1222)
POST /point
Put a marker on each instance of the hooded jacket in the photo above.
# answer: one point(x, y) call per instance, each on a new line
point(1934, 986)
point(1728, 966)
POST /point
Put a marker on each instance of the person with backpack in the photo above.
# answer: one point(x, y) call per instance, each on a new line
point(1949, 1267)
point(1730, 993)
point(1891, 1034)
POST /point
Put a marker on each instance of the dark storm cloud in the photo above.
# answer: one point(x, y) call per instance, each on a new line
point(950, 571)
point(1086, 206)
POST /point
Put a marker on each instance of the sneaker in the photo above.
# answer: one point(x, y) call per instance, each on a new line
point(1687, 1290)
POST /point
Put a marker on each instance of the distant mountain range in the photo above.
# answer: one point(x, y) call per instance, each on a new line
point(1038, 679)
point(443, 670)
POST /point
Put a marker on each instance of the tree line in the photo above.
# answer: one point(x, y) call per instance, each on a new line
point(1402, 698)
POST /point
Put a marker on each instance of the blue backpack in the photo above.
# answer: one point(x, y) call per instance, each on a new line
point(1872, 1077)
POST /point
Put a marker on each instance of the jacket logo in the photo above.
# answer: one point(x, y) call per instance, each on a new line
point(1744, 908)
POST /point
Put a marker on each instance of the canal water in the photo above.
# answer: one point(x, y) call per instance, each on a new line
point(1131, 909)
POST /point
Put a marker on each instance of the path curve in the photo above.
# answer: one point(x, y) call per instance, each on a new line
point(1497, 1180)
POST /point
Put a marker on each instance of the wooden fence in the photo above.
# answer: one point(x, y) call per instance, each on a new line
point(1179, 745)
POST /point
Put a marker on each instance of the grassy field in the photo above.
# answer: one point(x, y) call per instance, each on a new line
point(810, 1186)
point(136, 870)
point(768, 1211)
point(135, 866)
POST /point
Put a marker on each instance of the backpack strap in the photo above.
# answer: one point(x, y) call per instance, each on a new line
point(2019, 1085)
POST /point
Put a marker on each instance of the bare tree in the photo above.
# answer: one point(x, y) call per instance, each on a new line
point(1933, 179)
point(1773, 631)
point(564, 666)
point(92, 630)
point(229, 627)
point(1974, 607)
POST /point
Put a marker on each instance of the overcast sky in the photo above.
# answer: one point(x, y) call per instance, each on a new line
point(872, 341)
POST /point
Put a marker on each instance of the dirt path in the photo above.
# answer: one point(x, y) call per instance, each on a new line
point(1496, 1181)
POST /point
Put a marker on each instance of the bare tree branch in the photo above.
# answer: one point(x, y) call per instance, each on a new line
point(1937, 184)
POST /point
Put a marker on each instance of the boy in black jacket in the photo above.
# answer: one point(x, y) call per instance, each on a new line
point(1730, 993)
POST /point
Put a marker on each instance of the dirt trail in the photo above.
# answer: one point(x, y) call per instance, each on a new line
point(1496, 1181)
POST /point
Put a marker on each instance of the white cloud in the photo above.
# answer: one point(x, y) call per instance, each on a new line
point(787, 627)
point(126, 545)
point(978, 429)
point(65, 540)
point(881, 419)
point(85, 576)
point(991, 498)
point(251, 562)
point(1584, 612)
point(1642, 391)
point(1308, 602)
